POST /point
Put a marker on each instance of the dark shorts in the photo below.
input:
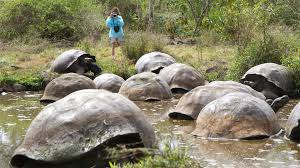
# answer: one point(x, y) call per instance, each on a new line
point(116, 40)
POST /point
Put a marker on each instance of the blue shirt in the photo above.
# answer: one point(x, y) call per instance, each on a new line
point(115, 21)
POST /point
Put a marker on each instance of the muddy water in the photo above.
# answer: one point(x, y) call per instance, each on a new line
point(16, 113)
point(18, 110)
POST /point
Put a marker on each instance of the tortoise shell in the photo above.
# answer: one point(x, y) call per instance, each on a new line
point(80, 122)
point(145, 86)
point(292, 128)
point(64, 85)
point(181, 76)
point(191, 103)
point(110, 82)
point(237, 116)
point(277, 75)
point(153, 62)
point(67, 59)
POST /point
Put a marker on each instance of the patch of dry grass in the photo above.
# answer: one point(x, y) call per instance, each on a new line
point(211, 61)
point(201, 58)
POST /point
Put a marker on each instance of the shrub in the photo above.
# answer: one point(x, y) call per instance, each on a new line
point(292, 55)
point(256, 52)
point(293, 63)
point(16, 18)
point(137, 44)
point(55, 20)
point(287, 12)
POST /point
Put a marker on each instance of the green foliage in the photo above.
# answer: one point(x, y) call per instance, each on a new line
point(293, 63)
point(139, 43)
point(123, 68)
point(292, 56)
point(239, 20)
point(134, 12)
point(236, 20)
point(216, 75)
point(168, 158)
point(31, 80)
point(281, 48)
point(54, 20)
point(256, 52)
point(287, 12)
point(170, 24)
point(16, 18)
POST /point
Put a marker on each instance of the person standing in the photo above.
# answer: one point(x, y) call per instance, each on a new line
point(116, 35)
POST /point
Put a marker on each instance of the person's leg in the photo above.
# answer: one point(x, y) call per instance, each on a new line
point(117, 44)
point(113, 50)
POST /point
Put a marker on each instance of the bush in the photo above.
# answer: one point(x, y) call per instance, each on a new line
point(287, 12)
point(55, 20)
point(256, 52)
point(16, 18)
point(292, 55)
point(293, 63)
point(139, 43)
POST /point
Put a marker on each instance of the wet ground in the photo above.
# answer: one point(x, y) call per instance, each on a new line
point(17, 111)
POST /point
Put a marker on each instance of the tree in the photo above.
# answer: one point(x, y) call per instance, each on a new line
point(199, 10)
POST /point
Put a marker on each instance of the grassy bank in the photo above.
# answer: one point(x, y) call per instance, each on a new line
point(24, 62)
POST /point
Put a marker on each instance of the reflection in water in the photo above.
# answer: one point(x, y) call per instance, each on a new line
point(18, 110)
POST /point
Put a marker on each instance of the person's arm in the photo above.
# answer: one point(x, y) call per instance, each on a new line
point(121, 22)
point(109, 22)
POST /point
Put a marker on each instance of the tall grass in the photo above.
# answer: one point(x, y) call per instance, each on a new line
point(257, 51)
point(139, 43)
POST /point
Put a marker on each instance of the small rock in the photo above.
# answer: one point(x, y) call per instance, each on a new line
point(18, 87)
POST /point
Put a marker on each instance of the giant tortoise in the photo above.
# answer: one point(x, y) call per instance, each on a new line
point(80, 126)
point(237, 116)
point(191, 103)
point(181, 77)
point(76, 61)
point(110, 82)
point(64, 85)
point(292, 128)
point(153, 62)
point(145, 86)
point(271, 79)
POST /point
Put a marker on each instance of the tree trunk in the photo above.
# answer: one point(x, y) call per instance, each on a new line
point(151, 16)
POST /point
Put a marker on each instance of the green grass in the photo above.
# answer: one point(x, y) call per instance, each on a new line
point(23, 61)
point(203, 58)
point(168, 158)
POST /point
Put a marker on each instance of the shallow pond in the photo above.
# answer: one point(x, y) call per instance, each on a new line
point(17, 111)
